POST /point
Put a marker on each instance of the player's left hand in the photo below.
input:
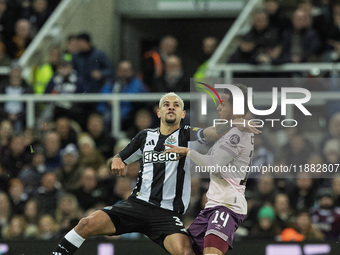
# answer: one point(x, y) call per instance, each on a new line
point(181, 151)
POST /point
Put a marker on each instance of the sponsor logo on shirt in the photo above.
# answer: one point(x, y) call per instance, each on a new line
point(158, 157)
point(234, 139)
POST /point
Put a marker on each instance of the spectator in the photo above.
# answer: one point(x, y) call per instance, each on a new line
point(15, 110)
point(17, 196)
point(5, 211)
point(89, 156)
point(316, 18)
point(17, 45)
point(283, 212)
point(304, 226)
point(69, 173)
point(16, 157)
point(276, 14)
point(37, 15)
point(266, 228)
point(8, 18)
point(71, 47)
point(126, 82)
point(173, 78)
point(266, 38)
point(43, 73)
point(6, 132)
point(331, 151)
point(142, 120)
point(303, 193)
point(336, 190)
point(326, 217)
point(47, 228)
point(32, 212)
point(103, 140)
point(52, 147)
point(32, 216)
point(66, 133)
point(89, 195)
point(265, 190)
point(300, 43)
point(298, 150)
point(16, 228)
point(49, 193)
point(154, 60)
point(66, 81)
point(31, 175)
point(333, 131)
point(67, 213)
point(245, 52)
point(209, 45)
point(91, 64)
point(30, 137)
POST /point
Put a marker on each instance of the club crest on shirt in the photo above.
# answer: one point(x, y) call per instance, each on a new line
point(234, 139)
point(170, 140)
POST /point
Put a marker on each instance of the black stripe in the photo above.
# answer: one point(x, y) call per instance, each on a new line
point(178, 201)
point(156, 195)
point(140, 174)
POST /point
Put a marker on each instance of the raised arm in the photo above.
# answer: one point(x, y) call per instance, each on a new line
point(213, 133)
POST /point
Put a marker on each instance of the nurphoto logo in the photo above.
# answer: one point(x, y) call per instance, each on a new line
point(239, 102)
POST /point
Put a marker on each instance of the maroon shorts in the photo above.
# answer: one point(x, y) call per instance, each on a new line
point(219, 221)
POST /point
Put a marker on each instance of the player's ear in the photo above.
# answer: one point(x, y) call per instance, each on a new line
point(183, 114)
point(158, 113)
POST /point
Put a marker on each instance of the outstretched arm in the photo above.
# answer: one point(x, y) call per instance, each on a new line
point(213, 133)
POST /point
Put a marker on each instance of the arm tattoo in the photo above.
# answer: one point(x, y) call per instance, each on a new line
point(116, 156)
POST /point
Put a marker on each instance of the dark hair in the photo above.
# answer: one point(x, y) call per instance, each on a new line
point(244, 90)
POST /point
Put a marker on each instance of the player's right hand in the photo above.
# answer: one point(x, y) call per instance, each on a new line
point(118, 167)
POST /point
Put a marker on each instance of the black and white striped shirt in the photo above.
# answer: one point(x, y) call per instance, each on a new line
point(162, 181)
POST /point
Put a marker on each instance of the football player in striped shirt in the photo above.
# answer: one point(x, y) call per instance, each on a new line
point(162, 192)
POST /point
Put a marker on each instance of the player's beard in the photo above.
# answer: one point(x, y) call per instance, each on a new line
point(170, 121)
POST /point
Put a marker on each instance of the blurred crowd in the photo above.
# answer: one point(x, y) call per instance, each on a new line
point(20, 21)
point(309, 32)
point(53, 174)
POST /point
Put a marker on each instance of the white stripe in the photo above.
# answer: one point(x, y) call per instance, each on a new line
point(170, 180)
point(145, 191)
point(187, 184)
point(134, 157)
point(169, 187)
point(217, 233)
